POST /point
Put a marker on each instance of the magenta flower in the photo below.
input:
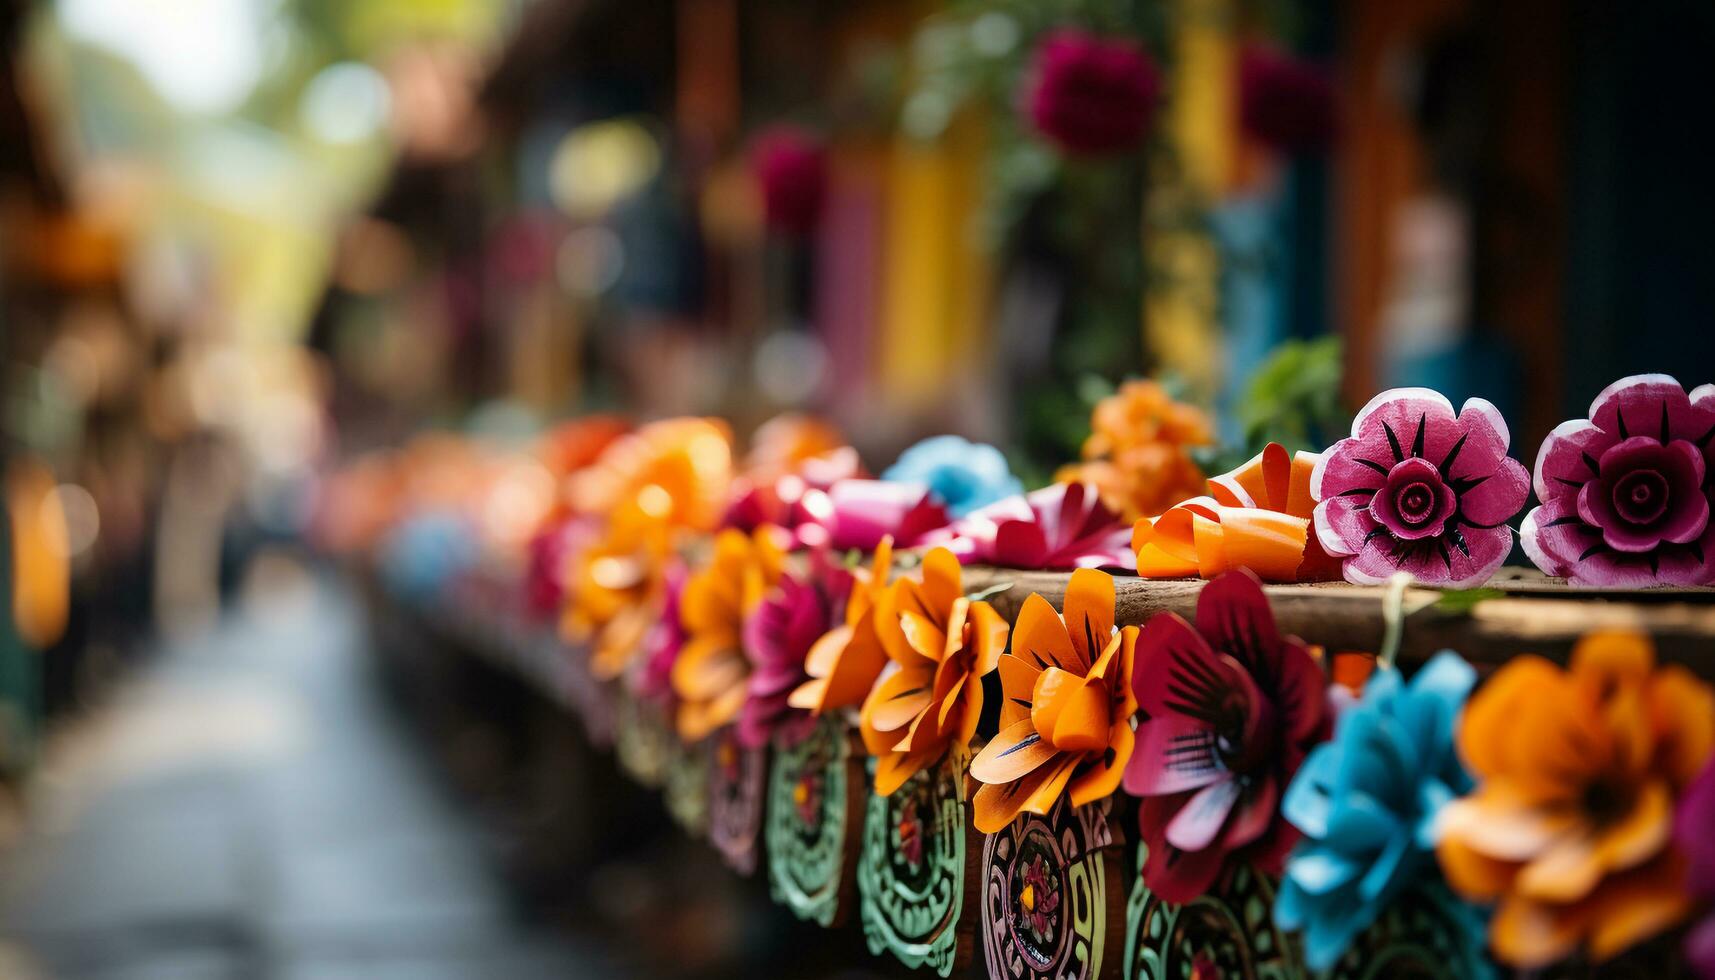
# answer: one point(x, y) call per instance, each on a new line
point(1091, 95)
point(653, 680)
point(1062, 526)
point(1692, 829)
point(1419, 489)
point(551, 552)
point(1284, 102)
point(792, 168)
point(1228, 710)
point(778, 636)
point(858, 513)
point(1626, 493)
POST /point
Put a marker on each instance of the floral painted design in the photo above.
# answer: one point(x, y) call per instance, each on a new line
point(1256, 517)
point(1569, 830)
point(712, 674)
point(1626, 492)
point(1062, 526)
point(778, 636)
point(1420, 489)
point(941, 643)
point(1065, 720)
point(1139, 451)
point(807, 797)
point(844, 663)
point(1227, 711)
point(1039, 901)
point(1090, 95)
point(963, 475)
point(1697, 843)
point(910, 832)
point(1366, 803)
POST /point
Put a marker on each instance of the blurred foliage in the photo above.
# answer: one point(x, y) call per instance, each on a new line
point(1294, 398)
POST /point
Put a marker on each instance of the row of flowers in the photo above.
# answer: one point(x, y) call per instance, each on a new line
point(1550, 796)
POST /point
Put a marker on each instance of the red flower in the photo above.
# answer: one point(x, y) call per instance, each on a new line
point(1092, 95)
point(1228, 712)
point(1287, 103)
point(792, 168)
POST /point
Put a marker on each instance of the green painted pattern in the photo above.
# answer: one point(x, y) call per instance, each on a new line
point(1226, 934)
point(911, 895)
point(806, 837)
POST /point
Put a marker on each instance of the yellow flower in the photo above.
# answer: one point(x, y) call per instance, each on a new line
point(712, 675)
point(845, 662)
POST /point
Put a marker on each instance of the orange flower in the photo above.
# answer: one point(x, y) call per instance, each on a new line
point(1577, 770)
point(615, 590)
point(941, 643)
point(1256, 517)
point(1067, 714)
point(845, 662)
point(676, 470)
point(785, 443)
point(1138, 454)
point(712, 675)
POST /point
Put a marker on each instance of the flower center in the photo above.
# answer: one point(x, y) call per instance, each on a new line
point(1416, 503)
point(1641, 496)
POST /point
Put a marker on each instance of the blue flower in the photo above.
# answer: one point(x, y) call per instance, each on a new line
point(424, 553)
point(964, 475)
point(1366, 802)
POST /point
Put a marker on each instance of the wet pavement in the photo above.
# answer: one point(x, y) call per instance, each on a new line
point(245, 807)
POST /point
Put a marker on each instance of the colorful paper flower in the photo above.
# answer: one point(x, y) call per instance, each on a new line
point(1366, 803)
point(1227, 712)
point(1065, 722)
point(712, 675)
point(676, 471)
point(1256, 517)
point(652, 679)
point(1569, 829)
point(615, 588)
point(1419, 489)
point(1626, 492)
point(778, 637)
point(1138, 453)
point(1285, 102)
point(940, 644)
point(791, 167)
point(1694, 831)
point(858, 514)
point(552, 552)
point(963, 475)
point(1060, 526)
point(1091, 95)
point(844, 662)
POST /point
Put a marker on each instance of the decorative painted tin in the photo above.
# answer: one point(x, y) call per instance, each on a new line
point(815, 820)
point(1051, 907)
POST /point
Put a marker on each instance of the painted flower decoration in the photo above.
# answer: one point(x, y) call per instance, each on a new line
point(1227, 712)
point(712, 674)
point(855, 513)
point(845, 662)
point(964, 475)
point(1257, 517)
point(778, 636)
point(1692, 832)
point(941, 643)
point(1090, 95)
point(791, 167)
point(1138, 453)
point(910, 833)
point(1065, 722)
point(1569, 829)
point(1366, 803)
point(1626, 492)
point(1419, 489)
point(1039, 900)
point(1285, 102)
point(1064, 526)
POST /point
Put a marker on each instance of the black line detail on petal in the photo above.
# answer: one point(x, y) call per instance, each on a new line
point(1393, 440)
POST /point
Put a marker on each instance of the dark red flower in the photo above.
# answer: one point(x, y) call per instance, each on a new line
point(1228, 710)
point(1092, 95)
point(792, 168)
point(1285, 102)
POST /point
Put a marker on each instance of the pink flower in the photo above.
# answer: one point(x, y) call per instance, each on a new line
point(1092, 96)
point(1419, 489)
point(1696, 816)
point(1626, 493)
point(1063, 526)
point(778, 636)
point(795, 501)
point(662, 644)
point(1228, 710)
point(1284, 102)
point(551, 552)
point(792, 169)
point(859, 513)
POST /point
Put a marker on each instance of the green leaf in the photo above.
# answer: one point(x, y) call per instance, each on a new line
point(1462, 601)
